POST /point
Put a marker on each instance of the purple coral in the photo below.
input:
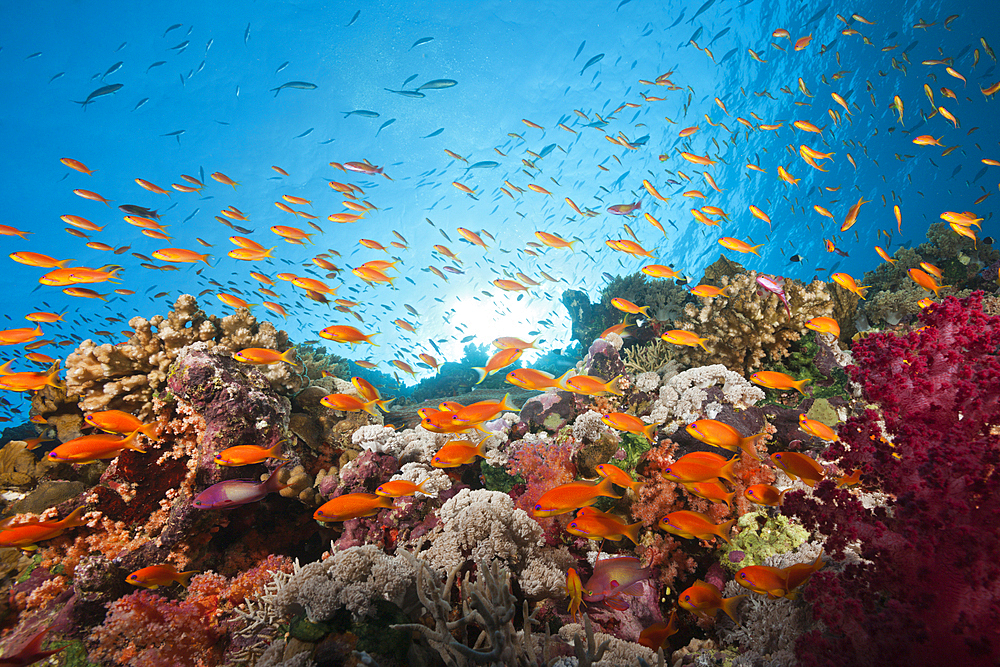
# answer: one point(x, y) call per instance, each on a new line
point(931, 592)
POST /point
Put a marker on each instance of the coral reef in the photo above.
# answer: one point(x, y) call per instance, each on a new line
point(933, 446)
point(743, 330)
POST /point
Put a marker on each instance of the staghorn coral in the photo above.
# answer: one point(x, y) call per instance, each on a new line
point(126, 376)
point(744, 329)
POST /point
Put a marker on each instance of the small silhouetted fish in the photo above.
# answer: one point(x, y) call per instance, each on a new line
point(467, 339)
point(421, 42)
point(281, 67)
point(409, 79)
point(193, 213)
point(100, 92)
point(221, 122)
point(485, 164)
point(328, 141)
point(156, 64)
point(180, 47)
point(593, 61)
point(243, 230)
point(208, 45)
point(122, 46)
point(246, 35)
point(298, 85)
point(677, 20)
point(701, 9)
point(385, 125)
point(434, 133)
point(406, 93)
point(114, 68)
point(622, 4)
point(988, 240)
point(173, 27)
point(56, 76)
point(34, 55)
point(176, 133)
point(364, 113)
point(140, 211)
point(436, 84)
point(580, 50)
point(305, 133)
point(795, 258)
point(354, 18)
point(721, 33)
point(141, 102)
point(980, 174)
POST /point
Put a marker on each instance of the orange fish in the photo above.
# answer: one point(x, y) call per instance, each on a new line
point(764, 494)
point(630, 424)
point(180, 255)
point(686, 338)
point(589, 385)
point(705, 600)
point(656, 635)
point(689, 524)
point(797, 465)
point(806, 126)
point(718, 434)
point(925, 280)
point(618, 476)
point(572, 495)
point(263, 356)
point(760, 215)
point(627, 306)
point(93, 196)
point(349, 403)
point(352, 506)
point(90, 448)
point(700, 466)
point(534, 380)
point(476, 413)
point(498, 361)
point(245, 455)
point(122, 423)
point(152, 187)
point(29, 381)
point(154, 576)
point(20, 335)
point(455, 453)
point(852, 214)
point(712, 490)
point(777, 380)
point(597, 525)
point(222, 178)
point(25, 536)
point(399, 488)
point(825, 325)
point(346, 334)
point(39, 260)
point(660, 271)
point(575, 591)
point(554, 240)
point(817, 429)
point(7, 230)
point(76, 164)
point(848, 283)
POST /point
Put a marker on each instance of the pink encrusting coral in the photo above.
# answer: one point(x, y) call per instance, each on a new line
point(930, 594)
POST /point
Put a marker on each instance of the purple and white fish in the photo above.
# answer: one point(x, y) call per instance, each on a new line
point(235, 492)
point(613, 578)
point(775, 285)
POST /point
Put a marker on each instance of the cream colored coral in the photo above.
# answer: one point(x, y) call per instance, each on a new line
point(618, 653)
point(684, 397)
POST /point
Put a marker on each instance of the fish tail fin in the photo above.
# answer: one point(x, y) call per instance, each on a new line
point(482, 372)
point(560, 382)
point(130, 442)
point(749, 444)
point(727, 471)
point(730, 605)
point(273, 483)
point(369, 407)
point(614, 387)
point(753, 249)
point(631, 531)
point(63, 262)
point(801, 383)
point(184, 578)
point(650, 432)
point(605, 488)
point(481, 447)
point(149, 430)
point(384, 404)
point(368, 339)
point(275, 451)
point(645, 311)
point(701, 341)
point(722, 530)
point(288, 356)
point(73, 518)
point(52, 379)
point(505, 404)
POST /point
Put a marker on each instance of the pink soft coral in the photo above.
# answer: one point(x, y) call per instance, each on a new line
point(931, 593)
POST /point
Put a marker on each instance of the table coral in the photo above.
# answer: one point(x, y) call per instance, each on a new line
point(933, 444)
point(744, 329)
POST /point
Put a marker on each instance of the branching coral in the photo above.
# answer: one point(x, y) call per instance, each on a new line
point(930, 589)
point(743, 329)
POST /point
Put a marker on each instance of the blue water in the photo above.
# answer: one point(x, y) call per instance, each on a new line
point(511, 61)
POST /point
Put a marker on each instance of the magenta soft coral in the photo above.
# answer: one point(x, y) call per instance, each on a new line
point(931, 594)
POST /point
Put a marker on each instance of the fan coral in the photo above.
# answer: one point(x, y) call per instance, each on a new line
point(929, 593)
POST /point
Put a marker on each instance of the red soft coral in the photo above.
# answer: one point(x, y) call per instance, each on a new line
point(931, 593)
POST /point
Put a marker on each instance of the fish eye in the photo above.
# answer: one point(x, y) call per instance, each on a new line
point(687, 598)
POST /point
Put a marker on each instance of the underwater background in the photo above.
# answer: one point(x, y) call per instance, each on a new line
point(455, 181)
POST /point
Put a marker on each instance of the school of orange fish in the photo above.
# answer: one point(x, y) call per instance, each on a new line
point(700, 473)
